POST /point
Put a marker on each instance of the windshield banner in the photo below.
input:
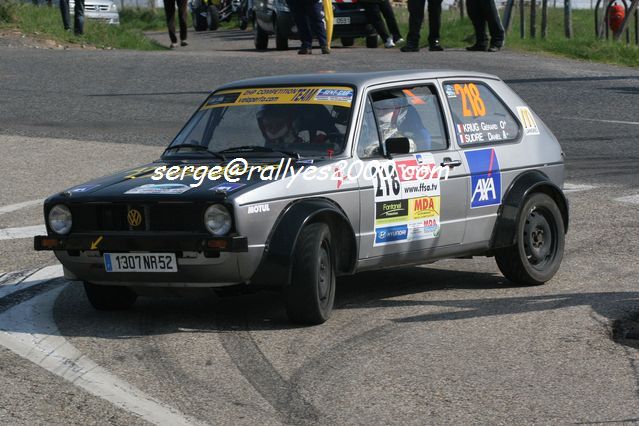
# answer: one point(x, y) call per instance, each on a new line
point(337, 96)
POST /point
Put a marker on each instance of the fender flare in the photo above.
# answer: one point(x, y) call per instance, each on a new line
point(275, 266)
point(529, 182)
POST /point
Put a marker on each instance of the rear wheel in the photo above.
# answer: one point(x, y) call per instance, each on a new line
point(281, 39)
point(371, 42)
point(537, 254)
point(310, 296)
point(212, 18)
point(347, 41)
point(109, 298)
point(260, 37)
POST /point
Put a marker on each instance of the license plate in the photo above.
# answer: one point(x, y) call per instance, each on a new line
point(342, 20)
point(140, 262)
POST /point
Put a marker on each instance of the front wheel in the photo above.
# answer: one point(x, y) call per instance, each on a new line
point(260, 36)
point(109, 298)
point(281, 38)
point(199, 21)
point(539, 248)
point(311, 293)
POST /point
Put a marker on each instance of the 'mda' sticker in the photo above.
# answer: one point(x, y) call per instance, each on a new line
point(485, 182)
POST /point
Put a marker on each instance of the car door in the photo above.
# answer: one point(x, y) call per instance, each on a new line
point(414, 201)
point(487, 133)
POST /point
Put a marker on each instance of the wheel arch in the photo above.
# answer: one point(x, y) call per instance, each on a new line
point(275, 266)
point(527, 183)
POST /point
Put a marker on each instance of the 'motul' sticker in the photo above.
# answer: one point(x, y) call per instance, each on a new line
point(526, 117)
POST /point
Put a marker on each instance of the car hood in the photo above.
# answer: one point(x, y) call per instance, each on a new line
point(140, 184)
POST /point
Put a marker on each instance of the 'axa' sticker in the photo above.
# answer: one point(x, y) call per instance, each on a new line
point(485, 182)
point(159, 188)
point(527, 119)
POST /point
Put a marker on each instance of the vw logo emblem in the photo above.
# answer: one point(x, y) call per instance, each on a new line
point(134, 217)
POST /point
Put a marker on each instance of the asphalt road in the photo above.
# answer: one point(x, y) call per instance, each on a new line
point(450, 342)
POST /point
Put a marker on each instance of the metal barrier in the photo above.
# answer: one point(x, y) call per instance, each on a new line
point(602, 26)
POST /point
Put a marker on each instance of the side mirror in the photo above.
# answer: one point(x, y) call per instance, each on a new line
point(397, 146)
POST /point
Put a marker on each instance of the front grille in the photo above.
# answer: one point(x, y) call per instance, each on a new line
point(96, 8)
point(178, 217)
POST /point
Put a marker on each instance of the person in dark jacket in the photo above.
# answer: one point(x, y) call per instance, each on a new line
point(309, 19)
point(389, 16)
point(373, 12)
point(169, 11)
point(482, 12)
point(415, 19)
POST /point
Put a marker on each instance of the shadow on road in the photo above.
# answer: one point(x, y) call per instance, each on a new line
point(379, 291)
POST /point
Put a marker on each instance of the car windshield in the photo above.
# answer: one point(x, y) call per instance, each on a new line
point(294, 121)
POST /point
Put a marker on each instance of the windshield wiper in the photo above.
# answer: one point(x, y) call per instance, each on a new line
point(258, 148)
point(198, 147)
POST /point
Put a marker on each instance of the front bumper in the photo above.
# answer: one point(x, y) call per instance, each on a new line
point(203, 260)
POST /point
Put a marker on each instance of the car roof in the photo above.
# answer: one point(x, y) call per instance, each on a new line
point(356, 79)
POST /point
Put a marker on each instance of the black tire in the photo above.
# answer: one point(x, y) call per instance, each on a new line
point(199, 22)
point(310, 296)
point(371, 42)
point(539, 248)
point(109, 298)
point(212, 18)
point(347, 41)
point(281, 39)
point(260, 37)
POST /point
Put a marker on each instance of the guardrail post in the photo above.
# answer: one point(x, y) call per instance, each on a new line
point(544, 18)
point(533, 18)
point(568, 18)
point(522, 19)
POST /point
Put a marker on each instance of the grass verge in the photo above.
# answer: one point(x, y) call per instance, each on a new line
point(458, 32)
point(46, 23)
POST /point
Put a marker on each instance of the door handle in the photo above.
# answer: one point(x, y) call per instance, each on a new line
point(450, 163)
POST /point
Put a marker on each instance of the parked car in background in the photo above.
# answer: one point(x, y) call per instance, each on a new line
point(273, 17)
point(102, 10)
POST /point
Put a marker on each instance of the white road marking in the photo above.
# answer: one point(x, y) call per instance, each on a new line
point(632, 199)
point(23, 232)
point(29, 330)
point(575, 187)
point(632, 123)
point(14, 207)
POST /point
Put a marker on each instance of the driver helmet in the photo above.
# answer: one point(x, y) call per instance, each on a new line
point(277, 124)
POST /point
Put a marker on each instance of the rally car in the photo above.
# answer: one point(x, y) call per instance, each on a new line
point(294, 180)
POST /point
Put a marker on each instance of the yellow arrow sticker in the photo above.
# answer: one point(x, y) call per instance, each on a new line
point(94, 244)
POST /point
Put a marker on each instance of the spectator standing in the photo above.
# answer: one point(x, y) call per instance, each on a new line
point(482, 12)
point(415, 20)
point(373, 11)
point(309, 19)
point(169, 11)
point(389, 16)
point(78, 16)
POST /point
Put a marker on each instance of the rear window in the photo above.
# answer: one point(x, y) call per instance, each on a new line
point(479, 115)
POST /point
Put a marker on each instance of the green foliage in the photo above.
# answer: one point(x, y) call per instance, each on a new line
point(8, 11)
point(46, 22)
point(457, 32)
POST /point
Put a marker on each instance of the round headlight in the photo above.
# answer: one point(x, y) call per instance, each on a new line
point(60, 219)
point(217, 219)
